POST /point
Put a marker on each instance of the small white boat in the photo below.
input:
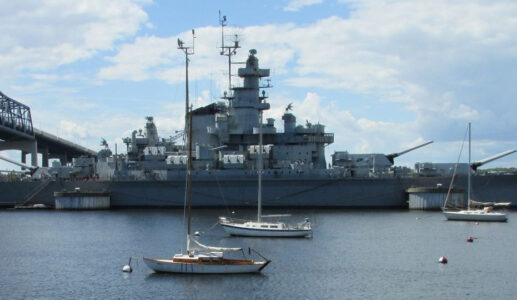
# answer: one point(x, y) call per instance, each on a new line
point(265, 229)
point(485, 214)
point(480, 215)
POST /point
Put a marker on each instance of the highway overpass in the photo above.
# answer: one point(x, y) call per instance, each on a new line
point(18, 133)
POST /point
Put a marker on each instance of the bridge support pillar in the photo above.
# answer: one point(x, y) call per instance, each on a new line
point(44, 157)
point(24, 158)
point(27, 147)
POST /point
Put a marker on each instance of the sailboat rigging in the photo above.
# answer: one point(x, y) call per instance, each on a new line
point(250, 104)
point(260, 228)
point(200, 258)
point(470, 214)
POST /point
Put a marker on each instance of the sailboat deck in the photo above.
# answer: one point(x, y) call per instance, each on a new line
point(475, 215)
point(207, 261)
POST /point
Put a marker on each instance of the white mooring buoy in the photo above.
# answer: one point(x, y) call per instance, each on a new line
point(442, 260)
point(197, 233)
point(127, 268)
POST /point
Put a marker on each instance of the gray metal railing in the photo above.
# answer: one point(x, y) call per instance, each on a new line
point(15, 115)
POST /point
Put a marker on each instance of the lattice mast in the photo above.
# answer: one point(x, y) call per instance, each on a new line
point(228, 50)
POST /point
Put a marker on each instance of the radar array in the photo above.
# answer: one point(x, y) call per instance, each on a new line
point(228, 50)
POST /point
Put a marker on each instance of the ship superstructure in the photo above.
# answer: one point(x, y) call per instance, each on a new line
point(225, 136)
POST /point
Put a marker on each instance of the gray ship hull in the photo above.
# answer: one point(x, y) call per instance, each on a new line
point(277, 192)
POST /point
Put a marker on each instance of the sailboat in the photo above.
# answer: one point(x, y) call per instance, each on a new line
point(487, 213)
point(199, 258)
point(260, 228)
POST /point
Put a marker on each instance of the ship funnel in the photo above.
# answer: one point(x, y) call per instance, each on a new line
point(392, 156)
point(477, 164)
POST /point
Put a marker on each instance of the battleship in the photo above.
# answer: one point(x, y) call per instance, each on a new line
point(225, 137)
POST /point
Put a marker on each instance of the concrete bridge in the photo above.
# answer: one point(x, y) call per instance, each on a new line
point(18, 133)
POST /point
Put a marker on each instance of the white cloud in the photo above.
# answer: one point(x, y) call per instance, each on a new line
point(444, 62)
point(71, 130)
point(135, 61)
point(152, 57)
point(441, 63)
point(296, 5)
point(47, 34)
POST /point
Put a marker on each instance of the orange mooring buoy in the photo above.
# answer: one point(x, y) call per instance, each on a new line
point(470, 239)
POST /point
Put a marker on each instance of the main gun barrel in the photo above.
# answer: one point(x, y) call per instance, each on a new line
point(478, 164)
point(32, 168)
point(392, 156)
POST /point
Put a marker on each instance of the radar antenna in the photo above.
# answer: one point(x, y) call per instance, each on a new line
point(289, 107)
point(188, 51)
point(104, 143)
point(228, 50)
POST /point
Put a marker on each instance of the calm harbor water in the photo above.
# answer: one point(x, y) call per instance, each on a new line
point(354, 254)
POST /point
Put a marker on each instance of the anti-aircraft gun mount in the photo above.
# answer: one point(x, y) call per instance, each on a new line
point(146, 144)
point(370, 164)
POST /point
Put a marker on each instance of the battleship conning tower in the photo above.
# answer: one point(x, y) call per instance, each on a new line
point(246, 102)
point(227, 136)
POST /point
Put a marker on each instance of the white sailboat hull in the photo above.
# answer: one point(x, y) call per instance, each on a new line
point(475, 215)
point(241, 230)
point(169, 266)
point(481, 215)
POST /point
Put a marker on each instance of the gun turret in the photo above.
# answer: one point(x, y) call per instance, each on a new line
point(477, 164)
point(392, 156)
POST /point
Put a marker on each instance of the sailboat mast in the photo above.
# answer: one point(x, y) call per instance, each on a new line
point(188, 124)
point(189, 179)
point(259, 169)
point(468, 176)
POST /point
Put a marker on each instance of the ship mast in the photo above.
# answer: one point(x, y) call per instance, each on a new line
point(227, 50)
point(188, 51)
point(260, 166)
point(188, 128)
point(468, 176)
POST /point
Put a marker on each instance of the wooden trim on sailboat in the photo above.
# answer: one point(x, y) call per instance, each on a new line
point(207, 261)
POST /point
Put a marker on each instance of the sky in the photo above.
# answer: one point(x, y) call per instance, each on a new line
point(382, 75)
